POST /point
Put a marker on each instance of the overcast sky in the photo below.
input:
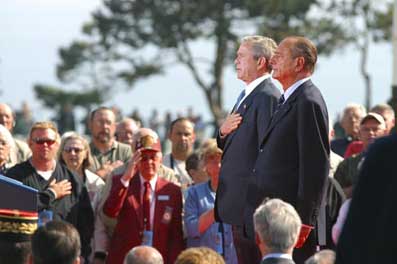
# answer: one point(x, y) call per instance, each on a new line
point(31, 32)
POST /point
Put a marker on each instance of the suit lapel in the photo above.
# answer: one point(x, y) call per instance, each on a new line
point(242, 109)
point(285, 108)
point(135, 198)
point(158, 206)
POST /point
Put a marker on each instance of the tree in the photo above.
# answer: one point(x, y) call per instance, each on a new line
point(64, 102)
point(365, 21)
point(128, 40)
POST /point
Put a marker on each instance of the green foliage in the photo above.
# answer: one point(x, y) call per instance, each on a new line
point(127, 40)
point(53, 97)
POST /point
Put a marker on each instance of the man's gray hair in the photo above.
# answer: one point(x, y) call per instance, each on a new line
point(143, 255)
point(353, 106)
point(325, 256)
point(382, 108)
point(278, 225)
point(261, 46)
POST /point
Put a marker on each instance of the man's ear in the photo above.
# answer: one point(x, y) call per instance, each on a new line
point(262, 62)
point(300, 64)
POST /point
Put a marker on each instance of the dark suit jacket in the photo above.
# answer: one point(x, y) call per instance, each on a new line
point(369, 234)
point(277, 261)
point(167, 224)
point(240, 149)
point(293, 160)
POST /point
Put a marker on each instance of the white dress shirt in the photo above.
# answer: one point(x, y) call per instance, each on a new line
point(251, 86)
point(293, 87)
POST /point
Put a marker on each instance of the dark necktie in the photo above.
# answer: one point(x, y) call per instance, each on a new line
point(239, 98)
point(281, 101)
point(146, 205)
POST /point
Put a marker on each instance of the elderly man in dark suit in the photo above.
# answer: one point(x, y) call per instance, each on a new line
point(293, 160)
point(239, 138)
point(277, 227)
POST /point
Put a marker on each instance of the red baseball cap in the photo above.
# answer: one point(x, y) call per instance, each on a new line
point(148, 143)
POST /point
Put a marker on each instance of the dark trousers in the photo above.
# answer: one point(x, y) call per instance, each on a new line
point(246, 248)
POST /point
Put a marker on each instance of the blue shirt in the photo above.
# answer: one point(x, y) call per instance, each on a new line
point(200, 199)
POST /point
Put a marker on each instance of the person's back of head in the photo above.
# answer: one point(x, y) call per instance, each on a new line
point(143, 255)
point(199, 255)
point(56, 242)
point(325, 256)
point(278, 225)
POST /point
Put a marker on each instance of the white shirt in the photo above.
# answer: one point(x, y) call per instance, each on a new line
point(251, 86)
point(293, 87)
point(179, 168)
point(278, 255)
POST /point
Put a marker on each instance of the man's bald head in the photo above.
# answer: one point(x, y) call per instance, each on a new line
point(6, 116)
point(143, 255)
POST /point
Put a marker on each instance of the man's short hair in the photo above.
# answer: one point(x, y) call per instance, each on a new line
point(180, 119)
point(354, 106)
point(56, 242)
point(143, 255)
point(303, 47)
point(278, 225)
point(199, 255)
point(325, 256)
point(261, 47)
point(382, 108)
point(99, 109)
point(43, 125)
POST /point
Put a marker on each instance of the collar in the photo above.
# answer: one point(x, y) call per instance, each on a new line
point(95, 151)
point(293, 87)
point(152, 182)
point(278, 255)
point(251, 86)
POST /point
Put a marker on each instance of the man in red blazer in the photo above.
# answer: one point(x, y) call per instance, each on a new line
point(148, 208)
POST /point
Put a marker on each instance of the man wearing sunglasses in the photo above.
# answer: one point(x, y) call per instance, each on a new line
point(62, 195)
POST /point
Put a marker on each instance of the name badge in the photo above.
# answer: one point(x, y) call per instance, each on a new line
point(147, 238)
point(163, 198)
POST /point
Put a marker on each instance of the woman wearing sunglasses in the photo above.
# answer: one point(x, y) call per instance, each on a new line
point(76, 155)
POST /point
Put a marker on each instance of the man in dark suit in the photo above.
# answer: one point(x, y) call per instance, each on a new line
point(239, 138)
point(369, 234)
point(277, 227)
point(293, 160)
point(148, 208)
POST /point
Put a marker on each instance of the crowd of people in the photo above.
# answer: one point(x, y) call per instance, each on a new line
point(273, 186)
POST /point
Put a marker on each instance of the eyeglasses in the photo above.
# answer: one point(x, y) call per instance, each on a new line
point(71, 149)
point(42, 141)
